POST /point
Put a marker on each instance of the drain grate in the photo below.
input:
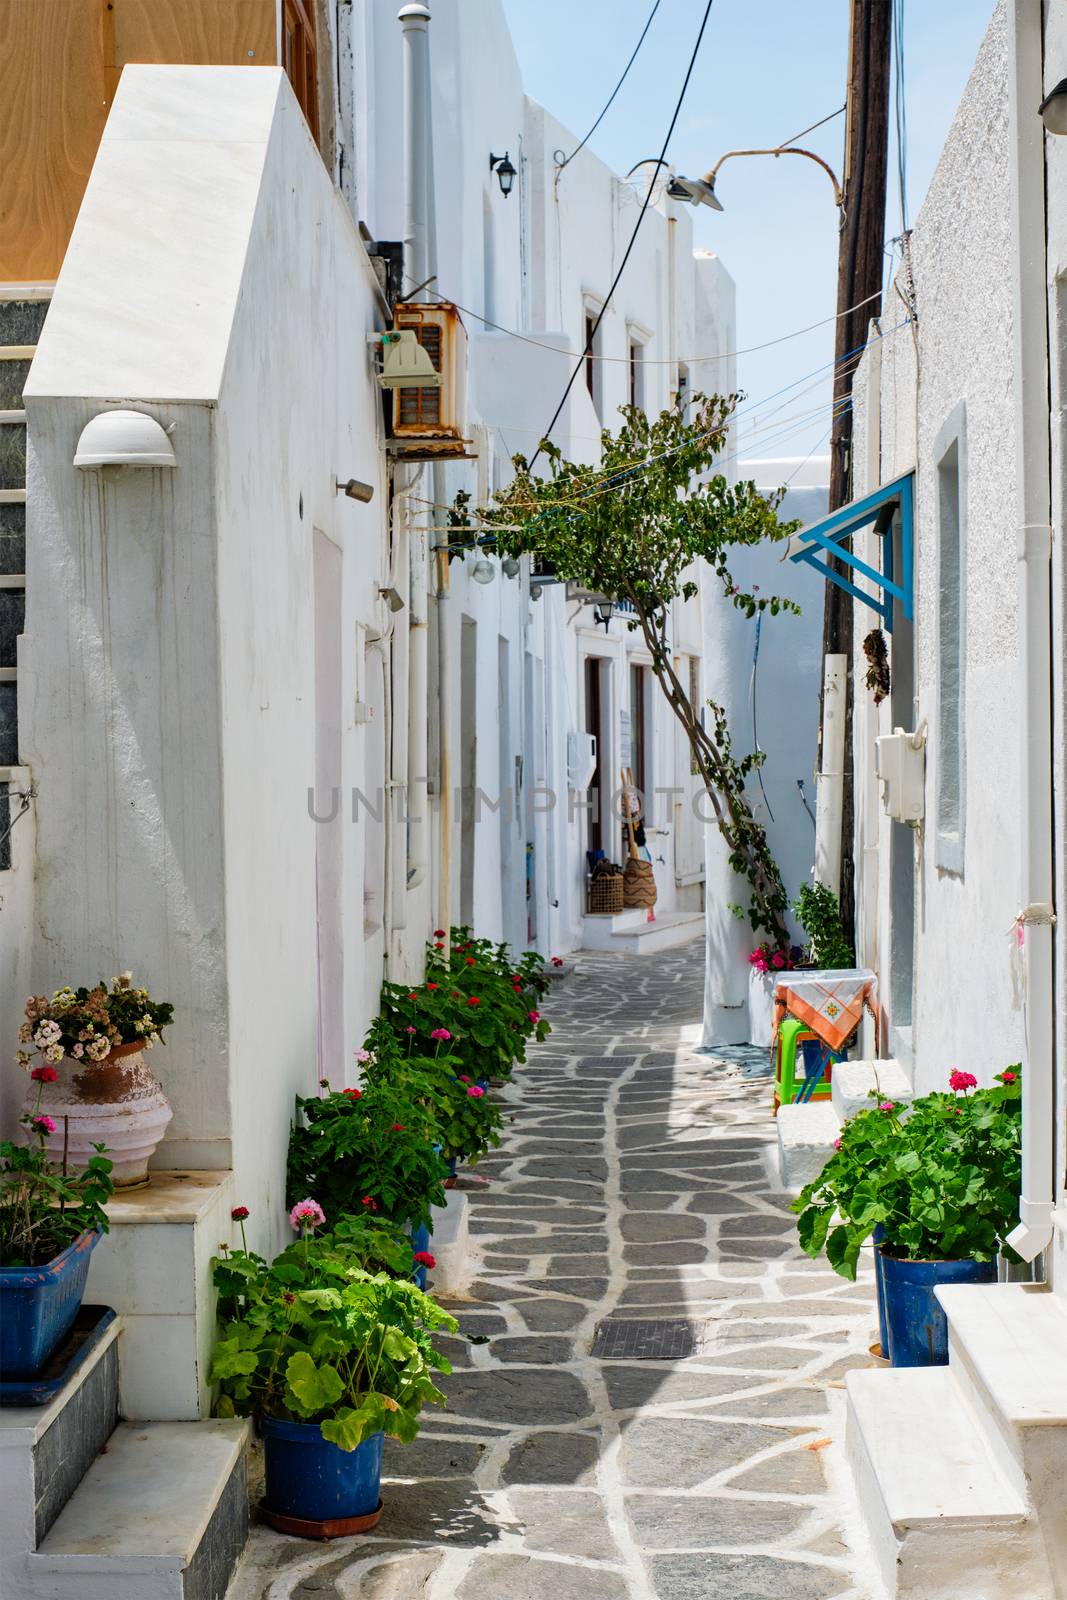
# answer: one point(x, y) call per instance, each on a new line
point(628, 1339)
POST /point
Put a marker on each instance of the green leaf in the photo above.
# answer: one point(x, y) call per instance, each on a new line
point(313, 1388)
point(229, 1361)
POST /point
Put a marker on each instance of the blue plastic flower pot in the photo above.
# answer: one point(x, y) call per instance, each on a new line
point(879, 1283)
point(420, 1240)
point(917, 1326)
point(38, 1305)
point(309, 1479)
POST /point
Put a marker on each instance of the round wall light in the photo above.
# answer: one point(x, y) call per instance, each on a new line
point(483, 571)
point(123, 439)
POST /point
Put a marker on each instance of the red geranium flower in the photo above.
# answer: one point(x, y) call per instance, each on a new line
point(398, 1127)
point(424, 1258)
point(473, 1000)
point(353, 1094)
point(470, 961)
point(431, 986)
point(239, 1213)
point(962, 1080)
point(438, 933)
point(44, 1074)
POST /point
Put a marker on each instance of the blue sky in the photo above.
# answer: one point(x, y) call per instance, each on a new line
point(767, 68)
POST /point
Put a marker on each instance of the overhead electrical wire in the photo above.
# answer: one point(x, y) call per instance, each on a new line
point(636, 230)
point(900, 111)
point(649, 361)
point(560, 164)
point(812, 126)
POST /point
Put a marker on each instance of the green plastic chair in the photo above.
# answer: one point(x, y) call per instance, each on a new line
point(791, 1035)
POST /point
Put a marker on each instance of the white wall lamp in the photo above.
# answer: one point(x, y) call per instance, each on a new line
point(392, 598)
point(505, 172)
point(124, 439)
point(483, 571)
point(405, 364)
point(511, 567)
point(1053, 108)
point(355, 489)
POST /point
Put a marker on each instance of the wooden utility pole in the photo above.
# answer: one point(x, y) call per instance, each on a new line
point(859, 276)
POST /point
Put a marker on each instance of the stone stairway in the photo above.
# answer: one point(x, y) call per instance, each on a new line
point(960, 1469)
point(806, 1133)
point(22, 313)
point(92, 1508)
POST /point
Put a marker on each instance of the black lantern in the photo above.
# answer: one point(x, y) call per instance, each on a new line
point(505, 172)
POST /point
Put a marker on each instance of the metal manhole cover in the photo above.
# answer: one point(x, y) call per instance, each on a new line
point(625, 1339)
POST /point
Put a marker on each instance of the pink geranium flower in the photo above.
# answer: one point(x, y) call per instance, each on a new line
point(307, 1214)
point(962, 1080)
point(534, 1016)
point(887, 1105)
point(44, 1124)
point(440, 1033)
point(837, 1144)
point(474, 1093)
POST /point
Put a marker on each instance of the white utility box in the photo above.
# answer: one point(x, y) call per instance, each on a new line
point(900, 762)
point(581, 760)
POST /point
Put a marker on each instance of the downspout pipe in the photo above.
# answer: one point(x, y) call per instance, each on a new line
point(1036, 919)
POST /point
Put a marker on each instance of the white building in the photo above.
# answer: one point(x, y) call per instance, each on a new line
point(960, 432)
point(242, 695)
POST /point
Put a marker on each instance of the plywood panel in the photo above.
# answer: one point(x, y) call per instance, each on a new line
point(61, 60)
point(54, 108)
point(218, 33)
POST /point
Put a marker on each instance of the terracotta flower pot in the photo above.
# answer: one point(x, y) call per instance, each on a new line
point(116, 1102)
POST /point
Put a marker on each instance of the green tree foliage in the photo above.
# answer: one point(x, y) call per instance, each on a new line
point(632, 528)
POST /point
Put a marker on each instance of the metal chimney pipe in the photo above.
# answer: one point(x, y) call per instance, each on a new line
point(419, 248)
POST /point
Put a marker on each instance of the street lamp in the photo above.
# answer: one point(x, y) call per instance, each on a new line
point(701, 191)
point(505, 172)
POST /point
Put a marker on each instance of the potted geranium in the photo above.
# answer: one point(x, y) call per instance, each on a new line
point(937, 1185)
point(329, 1358)
point(764, 966)
point(100, 1091)
point(50, 1220)
point(365, 1150)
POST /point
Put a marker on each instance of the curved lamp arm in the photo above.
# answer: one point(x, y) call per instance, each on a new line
point(780, 150)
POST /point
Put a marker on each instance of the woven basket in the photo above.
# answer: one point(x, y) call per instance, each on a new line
point(606, 895)
point(639, 884)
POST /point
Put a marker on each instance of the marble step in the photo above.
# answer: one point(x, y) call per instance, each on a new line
point(853, 1082)
point(806, 1135)
point(944, 1520)
point(161, 1515)
point(45, 1451)
point(1008, 1353)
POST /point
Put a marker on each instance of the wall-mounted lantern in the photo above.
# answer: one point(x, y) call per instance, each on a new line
point(505, 172)
point(123, 439)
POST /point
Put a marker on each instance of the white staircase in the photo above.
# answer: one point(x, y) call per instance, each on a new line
point(806, 1133)
point(962, 1470)
point(631, 933)
point(92, 1508)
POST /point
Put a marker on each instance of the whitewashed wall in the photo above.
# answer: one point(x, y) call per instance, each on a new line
point(171, 712)
point(965, 1011)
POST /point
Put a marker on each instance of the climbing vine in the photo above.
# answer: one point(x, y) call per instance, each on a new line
point(632, 528)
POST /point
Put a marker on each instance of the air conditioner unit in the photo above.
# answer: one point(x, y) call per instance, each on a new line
point(425, 411)
point(581, 760)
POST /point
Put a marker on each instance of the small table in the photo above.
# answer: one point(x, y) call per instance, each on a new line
point(830, 1002)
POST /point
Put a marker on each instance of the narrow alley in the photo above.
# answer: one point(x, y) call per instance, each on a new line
point(635, 1183)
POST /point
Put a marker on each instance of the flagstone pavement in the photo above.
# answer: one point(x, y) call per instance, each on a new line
point(637, 1180)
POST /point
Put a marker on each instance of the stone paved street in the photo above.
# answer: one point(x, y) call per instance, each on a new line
point(637, 1182)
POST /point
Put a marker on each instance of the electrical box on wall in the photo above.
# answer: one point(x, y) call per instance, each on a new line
point(581, 760)
point(900, 762)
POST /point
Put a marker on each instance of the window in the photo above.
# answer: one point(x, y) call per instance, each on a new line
point(299, 57)
point(682, 391)
point(590, 361)
point(591, 348)
point(950, 453)
point(638, 732)
point(637, 387)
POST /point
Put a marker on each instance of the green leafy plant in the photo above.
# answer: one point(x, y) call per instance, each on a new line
point(366, 1150)
point(314, 1337)
point(88, 1024)
point(476, 1005)
point(449, 1108)
point(44, 1208)
point(634, 527)
point(819, 915)
point(941, 1178)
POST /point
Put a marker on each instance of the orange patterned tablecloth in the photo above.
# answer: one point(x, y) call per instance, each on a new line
point(830, 1003)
